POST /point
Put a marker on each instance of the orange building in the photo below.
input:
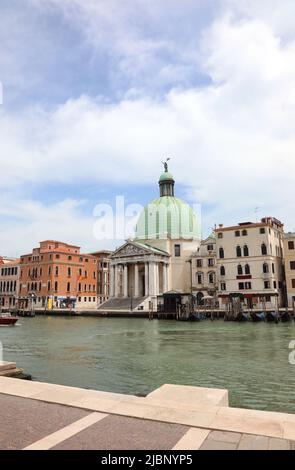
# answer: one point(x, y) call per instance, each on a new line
point(57, 275)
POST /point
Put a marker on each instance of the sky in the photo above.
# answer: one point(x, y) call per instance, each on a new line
point(96, 93)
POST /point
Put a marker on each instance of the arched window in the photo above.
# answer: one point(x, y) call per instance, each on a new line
point(220, 235)
point(211, 278)
point(221, 253)
point(222, 271)
point(244, 233)
point(263, 249)
point(247, 269)
point(265, 268)
point(246, 250)
point(240, 270)
point(239, 251)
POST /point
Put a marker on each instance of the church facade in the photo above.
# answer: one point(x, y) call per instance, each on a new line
point(157, 260)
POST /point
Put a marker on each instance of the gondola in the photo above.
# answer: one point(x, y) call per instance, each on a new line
point(197, 316)
point(272, 317)
point(241, 317)
point(256, 317)
point(285, 316)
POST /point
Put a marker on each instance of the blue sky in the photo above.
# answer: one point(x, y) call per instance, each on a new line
point(98, 92)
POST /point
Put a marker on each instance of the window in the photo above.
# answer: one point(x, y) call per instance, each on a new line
point(273, 268)
point(248, 285)
point(211, 278)
point(199, 278)
point(266, 285)
point(241, 286)
point(291, 245)
point(48, 286)
point(220, 235)
point(69, 272)
point(177, 251)
point(237, 233)
point(247, 269)
point(56, 271)
point(57, 256)
point(223, 286)
point(263, 249)
point(265, 268)
point(68, 287)
point(262, 230)
point(69, 258)
point(274, 284)
point(244, 233)
point(221, 253)
point(56, 286)
point(239, 251)
point(292, 264)
point(246, 250)
point(79, 287)
point(240, 270)
point(222, 271)
point(293, 283)
point(210, 247)
point(211, 262)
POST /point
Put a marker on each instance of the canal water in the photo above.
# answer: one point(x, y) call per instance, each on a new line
point(136, 356)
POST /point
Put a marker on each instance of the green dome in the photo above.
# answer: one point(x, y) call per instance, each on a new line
point(166, 176)
point(167, 217)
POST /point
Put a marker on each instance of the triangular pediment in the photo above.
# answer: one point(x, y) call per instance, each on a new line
point(131, 249)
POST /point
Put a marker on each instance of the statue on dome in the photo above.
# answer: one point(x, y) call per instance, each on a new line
point(166, 164)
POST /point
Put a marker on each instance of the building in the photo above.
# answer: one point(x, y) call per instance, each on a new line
point(9, 283)
point(289, 257)
point(57, 275)
point(204, 270)
point(157, 260)
point(250, 263)
point(103, 275)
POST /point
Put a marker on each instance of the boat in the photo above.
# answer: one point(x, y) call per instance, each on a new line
point(285, 316)
point(242, 317)
point(257, 316)
point(6, 319)
point(197, 316)
point(272, 317)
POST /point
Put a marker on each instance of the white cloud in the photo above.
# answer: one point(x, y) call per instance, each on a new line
point(232, 141)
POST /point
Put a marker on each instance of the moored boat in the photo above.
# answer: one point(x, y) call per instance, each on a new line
point(272, 317)
point(285, 316)
point(6, 319)
point(257, 316)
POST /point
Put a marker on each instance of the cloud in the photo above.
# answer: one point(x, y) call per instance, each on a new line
point(231, 138)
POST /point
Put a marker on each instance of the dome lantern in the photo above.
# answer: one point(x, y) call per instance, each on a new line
point(166, 182)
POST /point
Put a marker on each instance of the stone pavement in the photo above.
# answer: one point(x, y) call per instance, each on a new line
point(40, 416)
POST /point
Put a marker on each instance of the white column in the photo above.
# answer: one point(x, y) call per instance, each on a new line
point(165, 273)
point(112, 281)
point(152, 283)
point(136, 281)
point(146, 272)
point(125, 280)
point(116, 281)
point(157, 278)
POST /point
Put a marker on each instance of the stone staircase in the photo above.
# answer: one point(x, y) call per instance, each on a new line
point(122, 303)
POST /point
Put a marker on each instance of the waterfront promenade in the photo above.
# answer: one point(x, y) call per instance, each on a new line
point(42, 416)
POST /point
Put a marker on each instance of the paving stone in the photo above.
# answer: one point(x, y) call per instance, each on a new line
point(252, 442)
point(24, 421)
point(279, 444)
point(209, 444)
point(224, 436)
point(122, 433)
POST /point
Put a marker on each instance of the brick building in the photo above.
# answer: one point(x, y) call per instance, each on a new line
point(57, 275)
point(103, 275)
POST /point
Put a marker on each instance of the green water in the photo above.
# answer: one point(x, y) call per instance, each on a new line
point(136, 356)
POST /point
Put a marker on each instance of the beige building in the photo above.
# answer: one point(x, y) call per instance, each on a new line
point(289, 256)
point(9, 283)
point(250, 262)
point(204, 270)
